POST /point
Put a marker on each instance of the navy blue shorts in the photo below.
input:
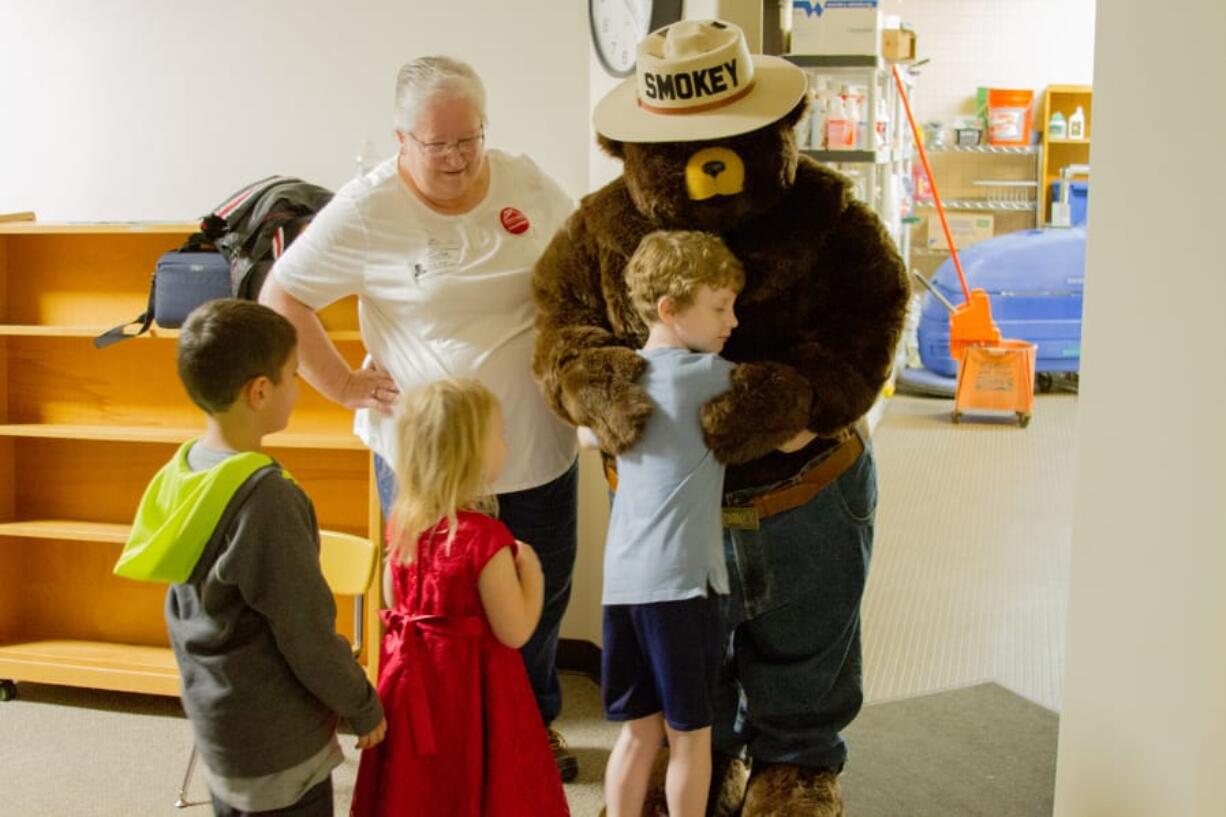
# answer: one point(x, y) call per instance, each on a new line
point(662, 657)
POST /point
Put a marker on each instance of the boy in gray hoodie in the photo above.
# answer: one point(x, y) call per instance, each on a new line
point(265, 676)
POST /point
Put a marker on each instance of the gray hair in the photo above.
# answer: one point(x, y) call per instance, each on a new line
point(428, 78)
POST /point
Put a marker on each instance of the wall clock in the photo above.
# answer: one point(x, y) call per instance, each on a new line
point(618, 26)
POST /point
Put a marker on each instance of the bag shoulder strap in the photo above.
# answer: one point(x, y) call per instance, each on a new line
point(145, 319)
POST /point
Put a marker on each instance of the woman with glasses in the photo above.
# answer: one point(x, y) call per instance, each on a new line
point(438, 243)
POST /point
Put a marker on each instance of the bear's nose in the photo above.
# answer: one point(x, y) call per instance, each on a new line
point(714, 171)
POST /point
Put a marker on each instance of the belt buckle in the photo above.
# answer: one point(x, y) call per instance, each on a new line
point(740, 518)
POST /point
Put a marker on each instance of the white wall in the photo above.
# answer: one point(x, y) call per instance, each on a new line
point(1143, 729)
point(149, 109)
point(998, 44)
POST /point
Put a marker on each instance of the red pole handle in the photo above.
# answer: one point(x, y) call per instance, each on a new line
point(936, 196)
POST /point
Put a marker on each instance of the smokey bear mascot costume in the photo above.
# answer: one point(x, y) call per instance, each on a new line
point(706, 136)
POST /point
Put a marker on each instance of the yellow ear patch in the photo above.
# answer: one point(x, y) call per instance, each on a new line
point(714, 172)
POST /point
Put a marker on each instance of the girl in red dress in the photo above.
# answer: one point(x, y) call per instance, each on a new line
point(465, 737)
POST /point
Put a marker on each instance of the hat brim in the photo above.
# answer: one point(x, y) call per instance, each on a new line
point(778, 86)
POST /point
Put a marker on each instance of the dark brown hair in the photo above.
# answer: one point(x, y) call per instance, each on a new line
point(225, 343)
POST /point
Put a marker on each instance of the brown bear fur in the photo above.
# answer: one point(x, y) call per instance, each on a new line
point(823, 304)
point(792, 791)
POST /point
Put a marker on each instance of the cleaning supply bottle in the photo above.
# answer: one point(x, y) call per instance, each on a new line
point(838, 126)
point(853, 108)
point(1077, 124)
point(882, 124)
point(1057, 127)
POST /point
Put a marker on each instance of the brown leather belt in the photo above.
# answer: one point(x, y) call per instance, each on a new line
point(807, 485)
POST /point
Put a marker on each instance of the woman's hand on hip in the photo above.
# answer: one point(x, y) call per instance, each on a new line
point(370, 387)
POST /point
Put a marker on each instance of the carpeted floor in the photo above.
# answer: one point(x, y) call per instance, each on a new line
point(981, 751)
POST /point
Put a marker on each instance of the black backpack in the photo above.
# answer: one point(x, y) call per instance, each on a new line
point(254, 227)
point(244, 234)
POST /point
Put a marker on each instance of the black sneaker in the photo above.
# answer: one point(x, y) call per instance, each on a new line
point(568, 764)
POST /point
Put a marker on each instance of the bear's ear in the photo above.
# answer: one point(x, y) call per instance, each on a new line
point(789, 121)
point(611, 146)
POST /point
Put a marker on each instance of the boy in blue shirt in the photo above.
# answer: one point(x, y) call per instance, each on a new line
point(664, 558)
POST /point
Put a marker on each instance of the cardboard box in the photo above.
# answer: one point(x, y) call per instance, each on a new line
point(966, 228)
point(836, 27)
point(898, 44)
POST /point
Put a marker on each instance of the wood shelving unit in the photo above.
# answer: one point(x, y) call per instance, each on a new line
point(1058, 153)
point(83, 430)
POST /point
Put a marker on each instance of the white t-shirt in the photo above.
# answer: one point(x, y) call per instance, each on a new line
point(443, 296)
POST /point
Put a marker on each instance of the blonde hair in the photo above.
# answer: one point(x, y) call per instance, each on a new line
point(442, 428)
point(676, 263)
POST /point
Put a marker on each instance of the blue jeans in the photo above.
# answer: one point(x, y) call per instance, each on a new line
point(545, 517)
point(792, 679)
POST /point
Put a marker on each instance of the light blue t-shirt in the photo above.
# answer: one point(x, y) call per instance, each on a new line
point(665, 540)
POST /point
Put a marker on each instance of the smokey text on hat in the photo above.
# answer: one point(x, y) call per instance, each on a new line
point(691, 84)
point(693, 66)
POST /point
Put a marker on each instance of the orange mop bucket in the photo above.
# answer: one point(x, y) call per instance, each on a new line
point(993, 374)
point(999, 377)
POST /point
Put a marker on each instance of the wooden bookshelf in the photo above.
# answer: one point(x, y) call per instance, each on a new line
point(67, 530)
point(1061, 152)
point(95, 664)
point(82, 430)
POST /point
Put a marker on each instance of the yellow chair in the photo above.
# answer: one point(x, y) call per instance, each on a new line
point(348, 565)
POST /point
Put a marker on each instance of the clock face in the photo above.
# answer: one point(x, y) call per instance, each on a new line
point(617, 28)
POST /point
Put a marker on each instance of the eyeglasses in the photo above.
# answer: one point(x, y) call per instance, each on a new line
point(467, 147)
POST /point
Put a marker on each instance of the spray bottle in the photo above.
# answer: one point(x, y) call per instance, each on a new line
point(839, 134)
point(1077, 124)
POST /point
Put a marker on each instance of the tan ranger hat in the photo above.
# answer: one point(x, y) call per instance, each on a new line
point(696, 80)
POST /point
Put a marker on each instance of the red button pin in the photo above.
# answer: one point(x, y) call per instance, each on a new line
point(513, 220)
